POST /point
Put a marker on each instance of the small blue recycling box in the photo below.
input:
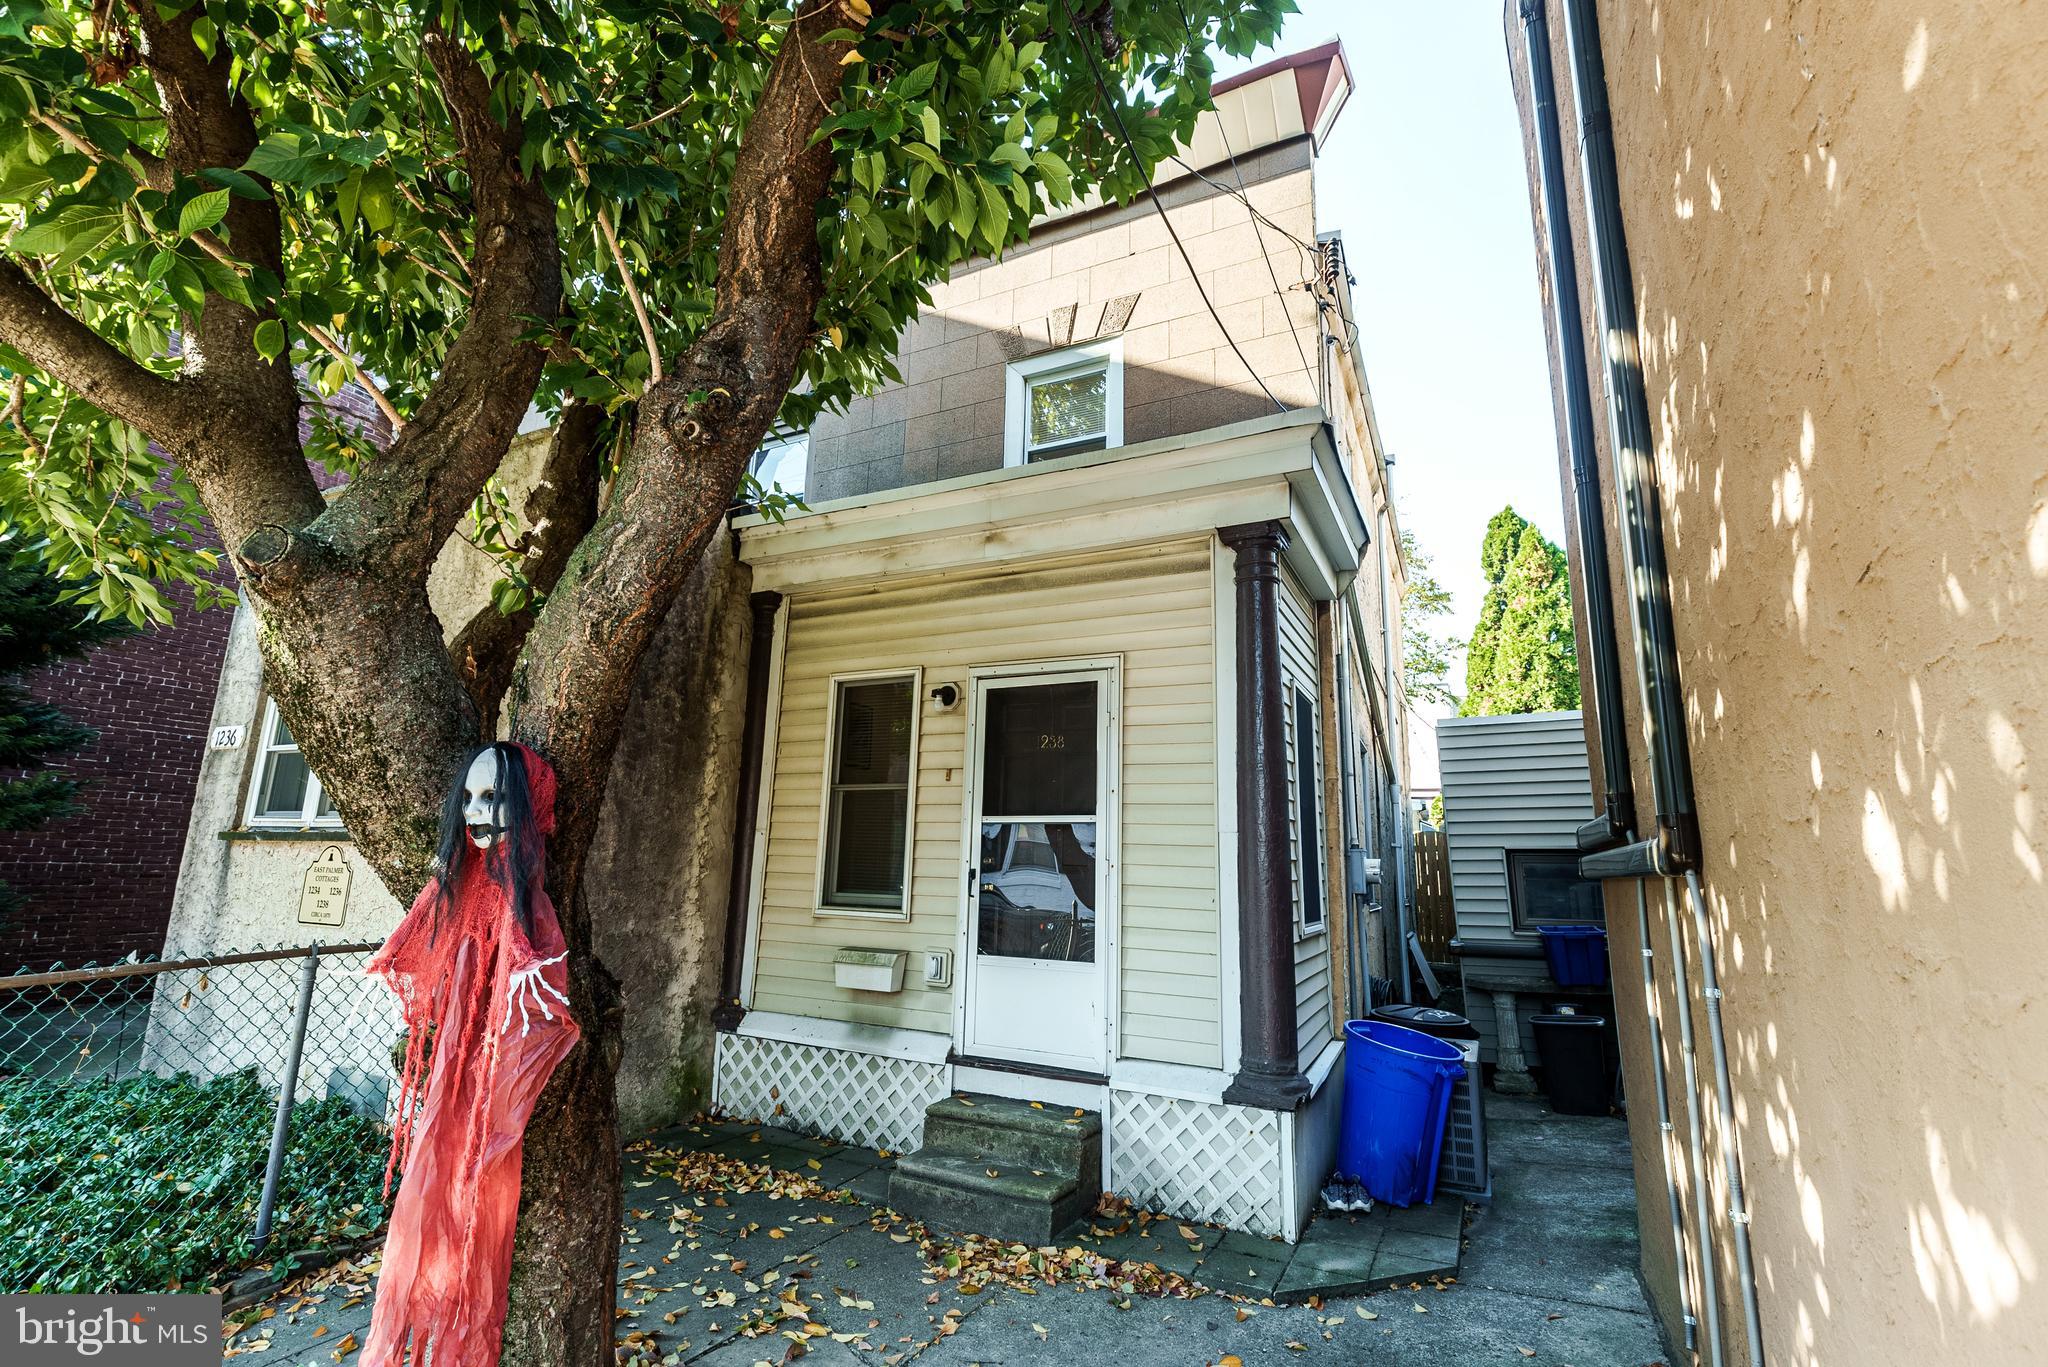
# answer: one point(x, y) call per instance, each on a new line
point(1397, 1093)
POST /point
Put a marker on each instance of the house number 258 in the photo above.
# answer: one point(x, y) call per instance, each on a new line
point(1052, 742)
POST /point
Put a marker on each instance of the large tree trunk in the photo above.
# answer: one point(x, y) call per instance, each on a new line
point(352, 650)
point(565, 1259)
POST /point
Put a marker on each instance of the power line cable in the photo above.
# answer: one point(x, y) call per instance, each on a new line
point(1315, 382)
point(1116, 117)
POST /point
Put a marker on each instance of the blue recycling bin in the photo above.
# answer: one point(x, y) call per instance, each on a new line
point(1397, 1093)
point(1577, 955)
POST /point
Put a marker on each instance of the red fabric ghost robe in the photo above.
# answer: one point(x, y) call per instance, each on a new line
point(487, 1021)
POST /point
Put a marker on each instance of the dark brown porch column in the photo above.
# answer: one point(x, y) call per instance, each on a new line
point(1269, 1066)
point(753, 728)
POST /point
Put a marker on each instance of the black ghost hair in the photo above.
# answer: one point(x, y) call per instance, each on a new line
point(513, 861)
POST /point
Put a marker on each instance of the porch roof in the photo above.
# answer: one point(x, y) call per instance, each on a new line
point(1282, 468)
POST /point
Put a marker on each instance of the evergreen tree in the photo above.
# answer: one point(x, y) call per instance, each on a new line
point(1425, 656)
point(37, 629)
point(1523, 657)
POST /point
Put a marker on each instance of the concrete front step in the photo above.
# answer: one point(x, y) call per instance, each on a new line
point(1015, 1205)
point(1002, 1168)
point(1053, 1139)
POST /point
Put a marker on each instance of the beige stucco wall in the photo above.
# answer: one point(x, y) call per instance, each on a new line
point(1834, 219)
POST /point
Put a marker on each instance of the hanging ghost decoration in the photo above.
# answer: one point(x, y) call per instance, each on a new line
point(479, 968)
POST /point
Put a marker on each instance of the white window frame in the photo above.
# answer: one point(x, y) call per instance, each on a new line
point(1106, 355)
point(835, 686)
point(758, 463)
point(1311, 755)
point(309, 816)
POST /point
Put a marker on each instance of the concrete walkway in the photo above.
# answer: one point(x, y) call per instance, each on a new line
point(730, 1264)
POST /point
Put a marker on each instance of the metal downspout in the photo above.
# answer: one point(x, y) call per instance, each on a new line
point(1347, 805)
point(1628, 416)
point(1676, 848)
point(1666, 1137)
point(1397, 718)
point(1695, 1135)
point(1568, 323)
point(1617, 823)
point(1738, 1209)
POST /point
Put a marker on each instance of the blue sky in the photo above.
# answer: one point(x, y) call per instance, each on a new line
point(1423, 175)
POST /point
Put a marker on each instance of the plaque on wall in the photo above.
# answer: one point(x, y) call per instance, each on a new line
point(323, 896)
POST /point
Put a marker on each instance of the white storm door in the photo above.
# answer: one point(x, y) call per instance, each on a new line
point(1039, 885)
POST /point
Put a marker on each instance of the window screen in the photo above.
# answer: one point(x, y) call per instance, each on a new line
point(1067, 414)
point(869, 797)
point(1307, 788)
point(1547, 890)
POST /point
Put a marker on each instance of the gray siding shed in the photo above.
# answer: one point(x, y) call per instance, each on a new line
point(1510, 783)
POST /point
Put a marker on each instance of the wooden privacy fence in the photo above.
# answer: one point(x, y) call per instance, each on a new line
point(1435, 922)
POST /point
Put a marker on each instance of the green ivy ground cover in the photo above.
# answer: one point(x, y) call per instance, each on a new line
point(151, 1183)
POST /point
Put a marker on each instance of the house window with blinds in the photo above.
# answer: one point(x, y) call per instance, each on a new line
point(869, 792)
point(1064, 403)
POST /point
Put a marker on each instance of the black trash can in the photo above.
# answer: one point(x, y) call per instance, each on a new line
point(1428, 1019)
point(1573, 1052)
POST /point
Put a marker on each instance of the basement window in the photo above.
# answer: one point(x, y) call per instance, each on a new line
point(870, 789)
point(1064, 403)
point(1544, 889)
point(286, 792)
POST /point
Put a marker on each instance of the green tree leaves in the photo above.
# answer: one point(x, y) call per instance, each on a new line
point(958, 125)
point(1425, 655)
point(1523, 656)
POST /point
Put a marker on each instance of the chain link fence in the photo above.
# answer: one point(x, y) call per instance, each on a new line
point(164, 1125)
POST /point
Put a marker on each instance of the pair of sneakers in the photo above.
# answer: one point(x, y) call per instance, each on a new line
point(1344, 1194)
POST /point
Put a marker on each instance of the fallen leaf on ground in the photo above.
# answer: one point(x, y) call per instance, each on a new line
point(1366, 1314)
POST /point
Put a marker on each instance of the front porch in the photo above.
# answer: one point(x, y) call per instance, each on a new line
point(1042, 774)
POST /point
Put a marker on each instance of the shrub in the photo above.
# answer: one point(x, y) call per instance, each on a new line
point(151, 1183)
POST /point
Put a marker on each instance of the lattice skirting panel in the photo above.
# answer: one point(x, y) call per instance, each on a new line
point(856, 1098)
point(1199, 1160)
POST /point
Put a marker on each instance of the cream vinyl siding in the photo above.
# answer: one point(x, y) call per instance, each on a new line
point(1155, 607)
point(1298, 669)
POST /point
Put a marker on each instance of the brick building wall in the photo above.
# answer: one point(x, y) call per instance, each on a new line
point(98, 886)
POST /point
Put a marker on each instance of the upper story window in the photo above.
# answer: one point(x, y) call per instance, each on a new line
point(783, 464)
point(286, 792)
point(1065, 402)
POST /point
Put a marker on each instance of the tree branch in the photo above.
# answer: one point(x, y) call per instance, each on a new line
point(610, 236)
point(328, 344)
point(244, 451)
point(63, 347)
point(559, 513)
point(410, 501)
point(688, 453)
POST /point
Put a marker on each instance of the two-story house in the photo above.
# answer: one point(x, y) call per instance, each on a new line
point(1078, 692)
point(1054, 751)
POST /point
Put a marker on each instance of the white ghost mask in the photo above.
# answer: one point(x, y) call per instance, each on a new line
point(483, 805)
